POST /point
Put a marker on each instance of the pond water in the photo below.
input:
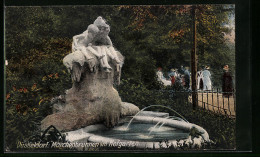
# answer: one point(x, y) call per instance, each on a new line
point(140, 132)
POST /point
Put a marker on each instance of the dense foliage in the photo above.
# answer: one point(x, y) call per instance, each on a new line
point(38, 38)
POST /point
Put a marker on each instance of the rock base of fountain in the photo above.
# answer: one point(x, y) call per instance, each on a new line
point(95, 67)
point(92, 98)
point(73, 120)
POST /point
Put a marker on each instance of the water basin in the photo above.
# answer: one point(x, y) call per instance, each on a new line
point(140, 132)
point(144, 132)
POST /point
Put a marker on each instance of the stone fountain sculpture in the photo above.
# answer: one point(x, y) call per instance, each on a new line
point(95, 67)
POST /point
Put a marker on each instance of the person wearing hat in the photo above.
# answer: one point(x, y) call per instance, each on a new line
point(227, 86)
point(206, 78)
point(172, 75)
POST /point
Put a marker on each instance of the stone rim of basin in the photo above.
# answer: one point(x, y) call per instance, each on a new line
point(192, 141)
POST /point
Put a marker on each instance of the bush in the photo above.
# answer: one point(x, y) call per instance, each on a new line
point(27, 105)
point(140, 95)
point(30, 85)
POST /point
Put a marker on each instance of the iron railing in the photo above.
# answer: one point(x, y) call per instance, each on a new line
point(217, 101)
point(213, 100)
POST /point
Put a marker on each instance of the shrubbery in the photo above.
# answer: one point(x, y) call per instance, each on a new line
point(31, 86)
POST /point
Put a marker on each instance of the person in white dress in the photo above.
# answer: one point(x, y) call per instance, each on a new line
point(206, 79)
point(161, 78)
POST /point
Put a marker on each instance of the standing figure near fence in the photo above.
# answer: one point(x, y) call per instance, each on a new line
point(200, 80)
point(206, 79)
point(227, 86)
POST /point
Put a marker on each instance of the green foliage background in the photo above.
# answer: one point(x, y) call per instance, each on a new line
point(38, 38)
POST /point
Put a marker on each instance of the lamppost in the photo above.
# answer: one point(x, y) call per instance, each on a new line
point(194, 61)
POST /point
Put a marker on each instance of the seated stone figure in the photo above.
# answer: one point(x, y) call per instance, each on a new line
point(82, 41)
point(103, 40)
point(93, 39)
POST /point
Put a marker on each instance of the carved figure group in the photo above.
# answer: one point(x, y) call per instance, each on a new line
point(95, 40)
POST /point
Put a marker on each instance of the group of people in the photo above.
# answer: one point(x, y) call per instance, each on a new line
point(181, 76)
point(204, 82)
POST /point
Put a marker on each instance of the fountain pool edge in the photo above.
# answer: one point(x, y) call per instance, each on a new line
point(83, 133)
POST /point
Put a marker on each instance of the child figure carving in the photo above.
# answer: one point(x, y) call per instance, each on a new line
point(96, 41)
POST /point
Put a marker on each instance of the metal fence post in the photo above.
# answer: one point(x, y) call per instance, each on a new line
point(212, 92)
point(202, 101)
point(223, 102)
point(207, 99)
point(218, 99)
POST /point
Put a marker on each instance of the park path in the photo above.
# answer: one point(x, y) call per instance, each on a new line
point(217, 103)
